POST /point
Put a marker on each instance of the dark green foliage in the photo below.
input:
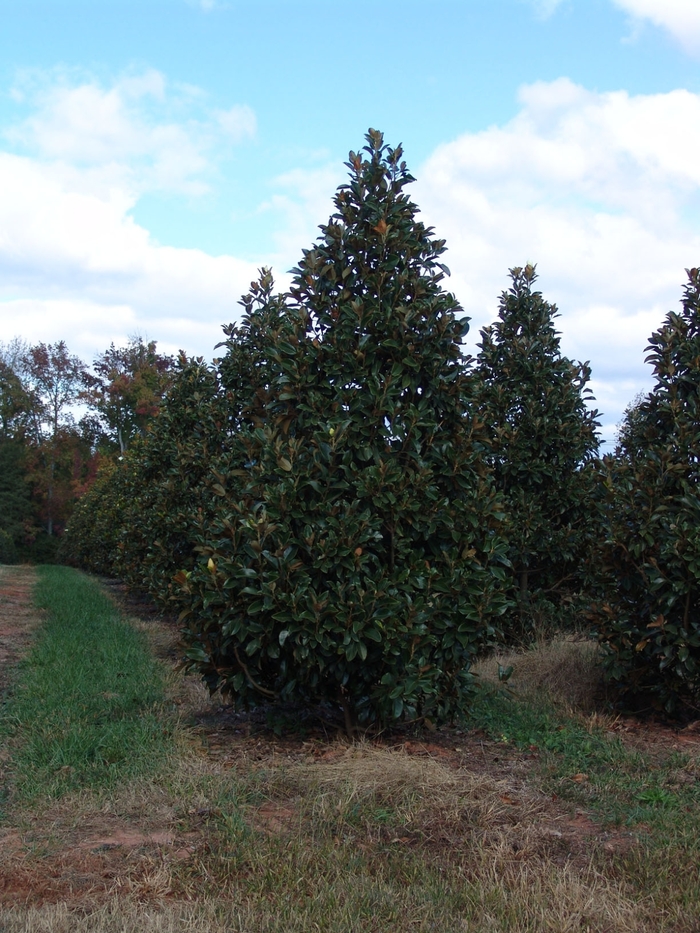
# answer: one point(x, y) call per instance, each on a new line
point(8, 551)
point(649, 622)
point(91, 538)
point(165, 483)
point(137, 520)
point(354, 556)
point(19, 521)
point(543, 444)
point(248, 368)
point(16, 403)
point(17, 512)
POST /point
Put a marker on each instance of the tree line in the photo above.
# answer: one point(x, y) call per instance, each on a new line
point(48, 455)
point(345, 509)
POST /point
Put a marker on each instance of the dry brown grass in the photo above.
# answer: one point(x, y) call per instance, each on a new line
point(417, 791)
point(368, 838)
point(294, 836)
point(564, 670)
point(533, 904)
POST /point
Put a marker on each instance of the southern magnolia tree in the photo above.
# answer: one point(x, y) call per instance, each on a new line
point(354, 555)
point(533, 401)
point(649, 622)
point(138, 519)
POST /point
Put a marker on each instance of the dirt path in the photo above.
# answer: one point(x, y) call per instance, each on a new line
point(18, 620)
point(18, 617)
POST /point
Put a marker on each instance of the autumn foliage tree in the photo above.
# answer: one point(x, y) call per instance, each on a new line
point(45, 457)
point(126, 388)
point(56, 379)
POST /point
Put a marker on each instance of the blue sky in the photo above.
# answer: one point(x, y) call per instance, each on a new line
point(154, 154)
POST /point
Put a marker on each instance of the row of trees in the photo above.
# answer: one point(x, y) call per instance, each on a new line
point(345, 508)
point(48, 455)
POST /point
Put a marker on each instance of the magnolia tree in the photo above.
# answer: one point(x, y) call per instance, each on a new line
point(137, 521)
point(649, 620)
point(543, 443)
point(354, 555)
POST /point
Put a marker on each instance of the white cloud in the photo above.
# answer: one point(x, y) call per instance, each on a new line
point(679, 17)
point(601, 190)
point(207, 6)
point(74, 264)
point(302, 199)
point(139, 133)
point(237, 123)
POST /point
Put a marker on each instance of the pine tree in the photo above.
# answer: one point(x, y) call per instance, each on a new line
point(355, 556)
point(543, 435)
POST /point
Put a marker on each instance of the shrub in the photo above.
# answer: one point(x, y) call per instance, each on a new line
point(91, 536)
point(165, 482)
point(138, 519)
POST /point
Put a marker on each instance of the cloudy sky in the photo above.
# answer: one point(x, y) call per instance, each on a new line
point(155, 153)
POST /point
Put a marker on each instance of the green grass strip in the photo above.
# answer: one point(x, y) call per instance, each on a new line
point(88, 708)
point(624, 786)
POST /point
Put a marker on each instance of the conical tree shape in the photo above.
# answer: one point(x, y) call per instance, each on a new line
point(649, 622)
point(356, 558)
point(534, 402)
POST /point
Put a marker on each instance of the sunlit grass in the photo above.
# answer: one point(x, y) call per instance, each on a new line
point(87, 710)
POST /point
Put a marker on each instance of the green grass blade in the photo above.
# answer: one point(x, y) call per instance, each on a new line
point(88, 708)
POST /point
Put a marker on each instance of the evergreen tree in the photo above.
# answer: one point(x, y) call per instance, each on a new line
point(533, 401)
point(649, 622)
point(17, 516)
point(17, 512)
point(355, 556)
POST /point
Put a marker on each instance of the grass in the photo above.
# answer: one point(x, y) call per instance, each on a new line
point(582, 759)
point(88, 710)
point(653, 791)
point(583, 763)
point(328, 837)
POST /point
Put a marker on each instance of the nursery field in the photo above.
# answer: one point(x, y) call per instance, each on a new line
point(132, 801)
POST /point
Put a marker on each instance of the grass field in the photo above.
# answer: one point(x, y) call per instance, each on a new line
point(133, 802)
